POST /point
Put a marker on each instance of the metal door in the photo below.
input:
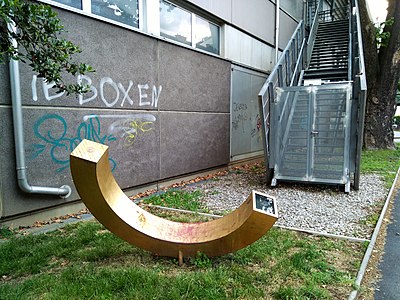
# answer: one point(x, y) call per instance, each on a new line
point(310, 128)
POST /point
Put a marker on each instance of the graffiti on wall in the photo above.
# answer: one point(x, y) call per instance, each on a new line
point(128, 127)
point(256, 131)
point(239, 116)
point(57, 137)
point(141, 94)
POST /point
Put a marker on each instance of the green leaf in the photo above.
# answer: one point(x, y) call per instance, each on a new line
point(38, 35)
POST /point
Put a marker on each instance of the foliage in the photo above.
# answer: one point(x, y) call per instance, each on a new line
point(202, 261)
point(396, 120)
point(382, 36)
point(37, 32)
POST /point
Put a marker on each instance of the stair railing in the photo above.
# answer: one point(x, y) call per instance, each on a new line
point(359, 87)
point(286, 72)
point(313, 32)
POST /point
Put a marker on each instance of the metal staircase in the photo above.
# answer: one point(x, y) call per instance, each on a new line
point(329, 58)
point(313, 101)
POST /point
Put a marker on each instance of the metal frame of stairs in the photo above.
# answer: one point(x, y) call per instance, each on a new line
point(313, 102)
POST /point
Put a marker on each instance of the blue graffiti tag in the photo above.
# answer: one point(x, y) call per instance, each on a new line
point(52, 130)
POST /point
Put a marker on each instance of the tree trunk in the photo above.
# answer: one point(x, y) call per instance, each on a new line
point(383, 72)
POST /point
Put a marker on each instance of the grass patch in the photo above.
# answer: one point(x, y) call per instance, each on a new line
point(85, 261)
point(178, 199)
point(385, 162)
point(6, 233)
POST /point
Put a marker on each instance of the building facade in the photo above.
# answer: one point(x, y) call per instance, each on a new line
point(174, 93)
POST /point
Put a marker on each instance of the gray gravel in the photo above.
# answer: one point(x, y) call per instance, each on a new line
point(320, 208)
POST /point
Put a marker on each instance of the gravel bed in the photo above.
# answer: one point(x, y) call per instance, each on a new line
point(320, 208)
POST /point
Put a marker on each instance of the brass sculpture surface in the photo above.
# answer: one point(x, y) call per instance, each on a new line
point(107, 202)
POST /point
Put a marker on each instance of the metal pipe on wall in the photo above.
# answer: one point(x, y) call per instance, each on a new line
point(63, 191)
point(277, 30)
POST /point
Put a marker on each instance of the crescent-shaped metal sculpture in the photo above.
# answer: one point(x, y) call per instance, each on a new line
point(104, 198)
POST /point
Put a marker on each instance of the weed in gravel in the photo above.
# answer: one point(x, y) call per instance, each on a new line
point(6, 233)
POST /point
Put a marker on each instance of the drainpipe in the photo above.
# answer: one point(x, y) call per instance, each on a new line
point(276, 31)
point(63, 191)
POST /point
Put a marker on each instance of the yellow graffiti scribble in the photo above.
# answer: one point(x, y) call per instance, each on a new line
point(135, 129)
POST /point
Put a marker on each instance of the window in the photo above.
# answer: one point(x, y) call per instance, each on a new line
point(161, 18)
point(185, 27)
point(206, 36)
point(123, 11)
point(175, 23)
point(73, 3)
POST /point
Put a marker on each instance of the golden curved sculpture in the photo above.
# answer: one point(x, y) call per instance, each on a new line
point(107, 202)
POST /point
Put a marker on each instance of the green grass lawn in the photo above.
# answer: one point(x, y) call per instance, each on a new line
point(385, 162)
point(86, 261)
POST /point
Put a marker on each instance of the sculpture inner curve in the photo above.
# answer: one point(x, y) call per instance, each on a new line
point(102, 195)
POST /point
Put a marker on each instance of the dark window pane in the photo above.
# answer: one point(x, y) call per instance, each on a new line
point(175, 23)
point(123, 11)
point(206, 36)
point(72, 3)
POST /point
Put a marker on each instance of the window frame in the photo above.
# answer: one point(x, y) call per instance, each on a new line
point(87, 11)
point(194, 18)
point(149, 21)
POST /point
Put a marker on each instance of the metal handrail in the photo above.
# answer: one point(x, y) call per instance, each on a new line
point(313, 32)
point(360, 86)
point(285, 73)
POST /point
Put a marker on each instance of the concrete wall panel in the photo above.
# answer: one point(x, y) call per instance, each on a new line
point(122, 58)
point(193, 141)
point(193, 81)
point(4, 85)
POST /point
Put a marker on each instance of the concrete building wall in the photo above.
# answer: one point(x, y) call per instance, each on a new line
point(164, 109)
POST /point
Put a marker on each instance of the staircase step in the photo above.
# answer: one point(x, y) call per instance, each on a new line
point(326, 76)
point(335, 61)
point(322, 46)
point(331, 50)
point(332, 27)
point(333, 23)
point(323, 51)
point(331, 43)
point(328, 60)
point(320, 67)
point(329, 38)
point(330, 71)
point(334, 30)
point(330, 54)
point(333, 36)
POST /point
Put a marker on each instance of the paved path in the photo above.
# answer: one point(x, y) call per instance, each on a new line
point(389, 286)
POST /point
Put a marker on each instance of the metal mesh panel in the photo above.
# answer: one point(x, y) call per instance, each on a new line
point(292, 142)
point(311, 133)
point(329, 141)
